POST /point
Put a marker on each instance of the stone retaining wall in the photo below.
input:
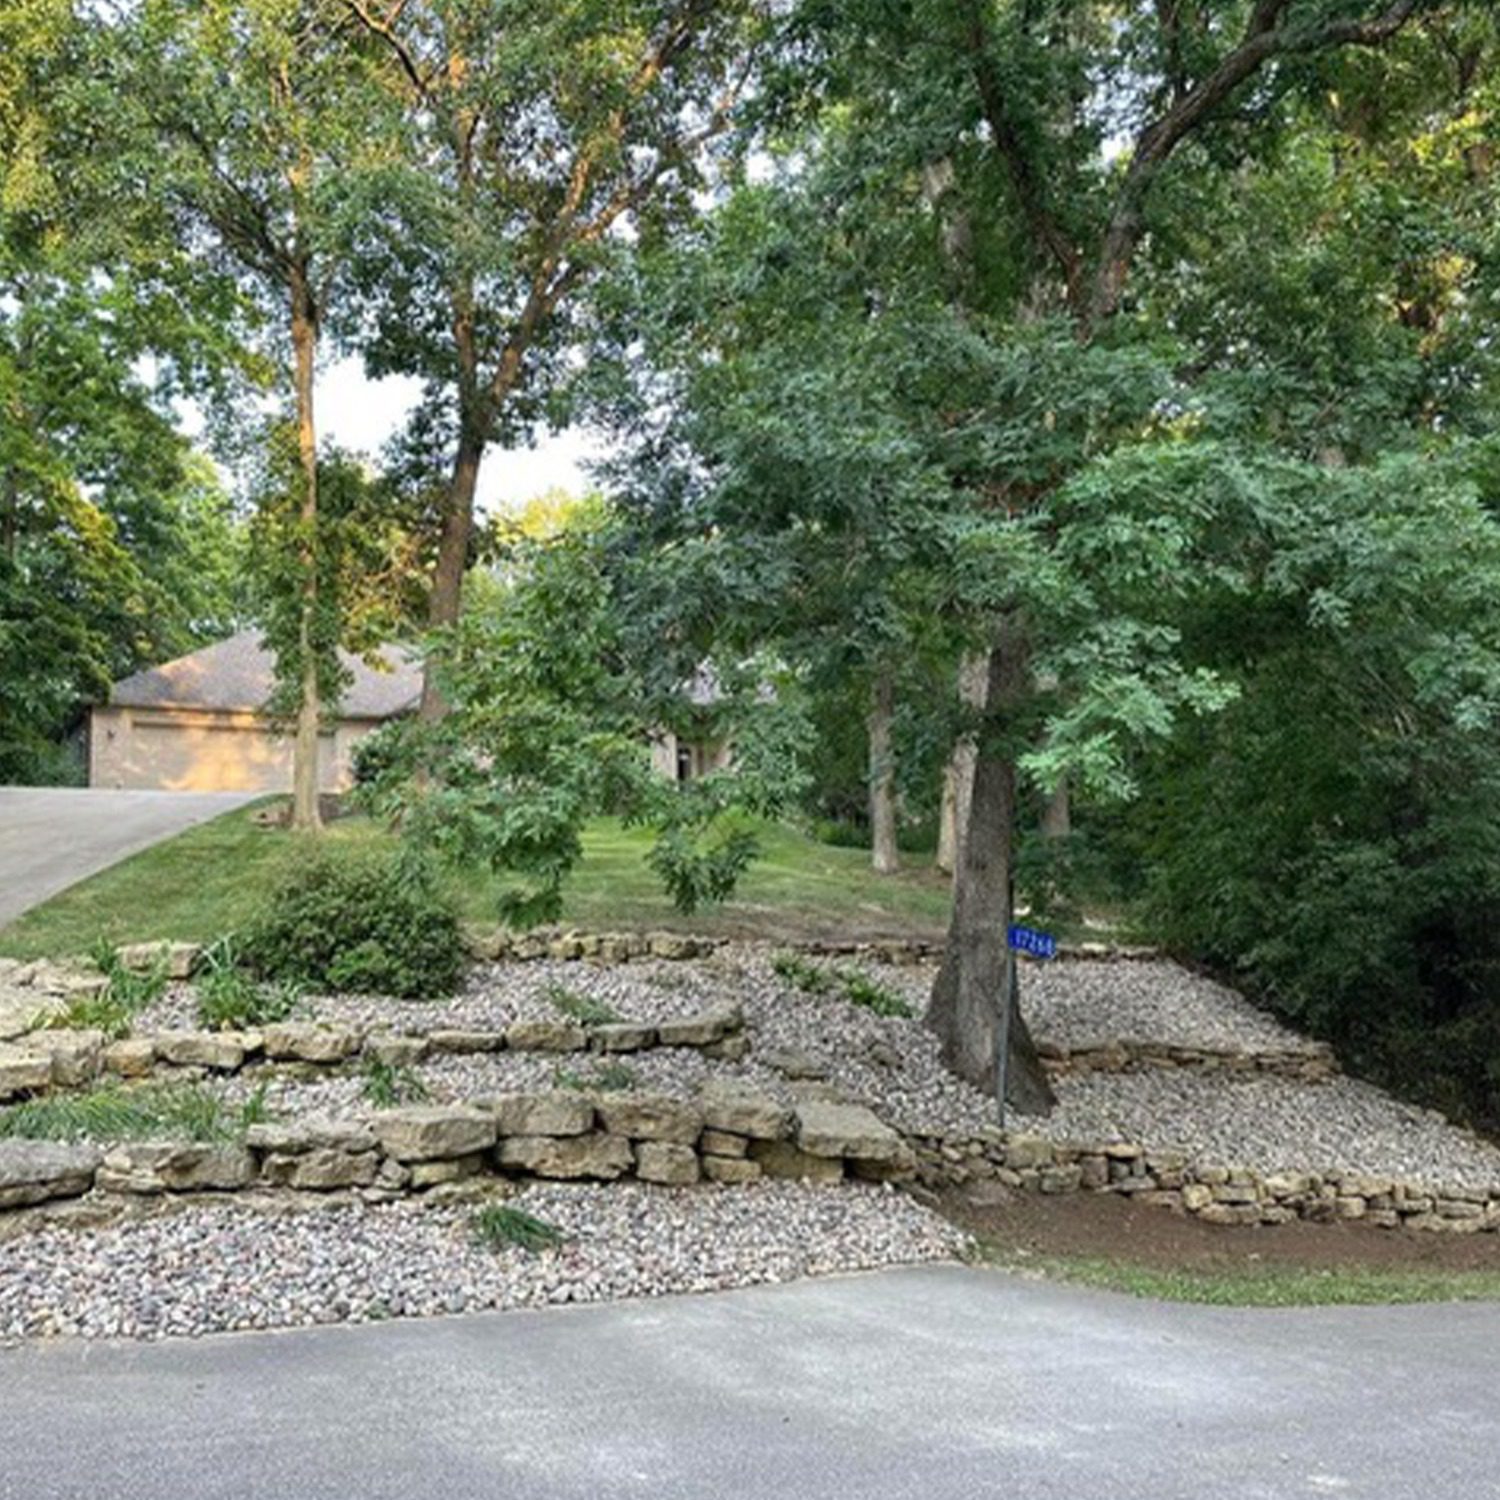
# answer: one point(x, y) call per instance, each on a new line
point(1215, 1194)
point(47, 1059)
point(726, 1134)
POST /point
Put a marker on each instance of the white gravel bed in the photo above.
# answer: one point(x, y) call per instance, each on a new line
point(222, 1267)
point(1271, 1125)
point(1082, 1001)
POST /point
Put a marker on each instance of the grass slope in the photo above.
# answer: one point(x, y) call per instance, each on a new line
point(204, 882)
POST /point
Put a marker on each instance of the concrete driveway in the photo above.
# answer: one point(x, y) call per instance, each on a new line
point(935, 1383)
point(51, 837)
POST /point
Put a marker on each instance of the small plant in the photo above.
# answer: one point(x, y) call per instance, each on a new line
point(584, 1009)
point(853, 984)
point(389, 1084)
point(113, 1113)
point(801, 974)
point(859, 989)
point(126, 993)
point(230, 999)
point(499, 1224)
point(609, 1077)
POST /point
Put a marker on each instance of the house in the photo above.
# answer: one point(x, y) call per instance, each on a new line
point(687, 756)
point(200, 723)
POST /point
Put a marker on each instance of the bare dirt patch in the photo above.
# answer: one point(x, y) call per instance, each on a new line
point(1106, 1227)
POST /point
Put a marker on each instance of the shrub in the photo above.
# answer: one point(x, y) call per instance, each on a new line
point(857, 987)
point(230, 999)
point(371, 923)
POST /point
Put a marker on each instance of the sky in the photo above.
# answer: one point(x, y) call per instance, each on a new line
point(360, 414)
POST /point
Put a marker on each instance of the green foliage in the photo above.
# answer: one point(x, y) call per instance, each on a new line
point(387, 1084)
point(582, 1008)
point(231, 999)
point(369, 922)
point(610, 1077)
point(126, 993)
point(551, 691)
point(1327, 839)
point(498, 1225)
point(116, 1113)
point(854, 985)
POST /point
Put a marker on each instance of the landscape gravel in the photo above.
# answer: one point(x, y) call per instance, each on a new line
point(223, 1267)
point(1272, 1125)
point(893, 1065)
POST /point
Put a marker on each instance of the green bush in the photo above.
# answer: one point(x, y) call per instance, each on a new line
point(364, 922)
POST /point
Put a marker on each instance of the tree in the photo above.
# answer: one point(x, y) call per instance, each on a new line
point(251, 120)
point(538, 140)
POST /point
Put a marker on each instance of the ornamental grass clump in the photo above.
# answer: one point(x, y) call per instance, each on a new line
point(147, 1111)
point(499, 1225)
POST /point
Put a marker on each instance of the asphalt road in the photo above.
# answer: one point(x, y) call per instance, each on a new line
point(51, 837)
point(935, 1383)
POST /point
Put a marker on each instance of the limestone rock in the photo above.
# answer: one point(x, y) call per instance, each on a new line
point(309, 1042)
point(396, 1051)
point(322, 1169)
point(545, 1036)
point(723, 1143)
point(594, 1155)
point(742, 1110)
point(1024, 1151)
point(622, 1036)
point(311, 1133)
point(131, 1057)
point(791, 1063)
point(22, 1011)
point(222, 1051)
point(672, 945)
point(556, 1112)
point(178, 959)
point(23, 1071)
point(698, 1031)
point(33, 1171)
point(667, 1162)
point(430, 1174)
point(433, 1132)
point(651, 1117)
point(782, 1159)
point(730, 1169)
point(848, 1130)
point(454, 1039)
point(174, 1166)
point(75, 1056)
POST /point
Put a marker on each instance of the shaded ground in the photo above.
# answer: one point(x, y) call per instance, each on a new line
point(1107, 1240)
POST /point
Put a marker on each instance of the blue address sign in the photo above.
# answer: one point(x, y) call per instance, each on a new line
point(1029, 940)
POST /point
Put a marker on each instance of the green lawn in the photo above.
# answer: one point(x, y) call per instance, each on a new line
point(1266, 1286)
point(205, 881)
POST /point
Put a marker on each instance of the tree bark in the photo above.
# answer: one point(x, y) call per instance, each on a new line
point(305, 813)
point(1057, 816)
point(958, 774)
point(885, 856)
point(446, 599)
point(974, 1002)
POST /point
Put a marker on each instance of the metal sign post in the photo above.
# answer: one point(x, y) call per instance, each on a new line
point(1017, 940)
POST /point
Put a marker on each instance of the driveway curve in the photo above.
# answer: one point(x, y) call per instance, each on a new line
point(53, 837)
point(930, 1383)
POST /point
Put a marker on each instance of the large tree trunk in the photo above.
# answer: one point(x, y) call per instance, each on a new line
point(884, 854)
point(1057, 816)
point(305, 814)
point(958, 774)
point(446, 598)
point(974, 1008)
